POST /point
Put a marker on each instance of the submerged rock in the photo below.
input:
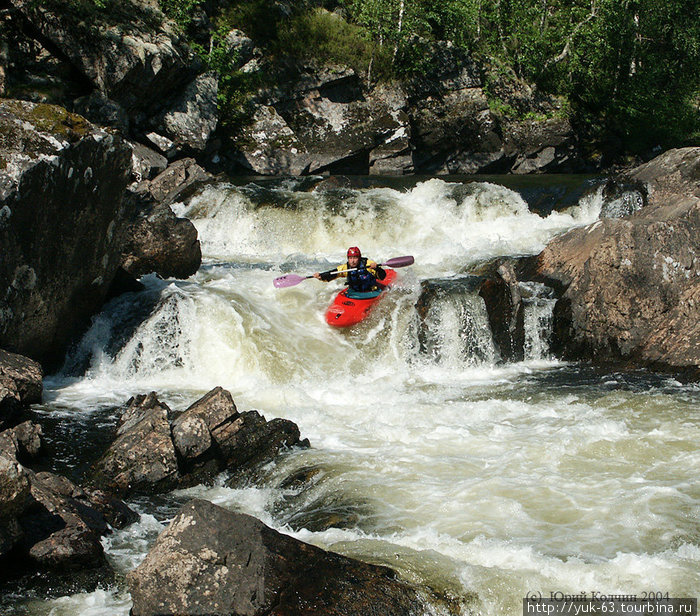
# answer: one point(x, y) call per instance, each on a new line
point(210, 560)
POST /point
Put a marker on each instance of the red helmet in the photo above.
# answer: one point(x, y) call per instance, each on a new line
point(354, 251)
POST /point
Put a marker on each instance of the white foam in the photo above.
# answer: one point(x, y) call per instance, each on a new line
point(517, 478)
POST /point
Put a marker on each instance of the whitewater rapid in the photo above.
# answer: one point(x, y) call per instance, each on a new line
point(482, 480)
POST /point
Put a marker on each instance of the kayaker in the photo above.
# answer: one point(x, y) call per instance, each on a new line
point(364, 274)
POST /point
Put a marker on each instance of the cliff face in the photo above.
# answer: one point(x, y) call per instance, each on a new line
point(62, 219)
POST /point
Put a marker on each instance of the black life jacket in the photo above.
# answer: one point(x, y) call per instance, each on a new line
point(361, 279)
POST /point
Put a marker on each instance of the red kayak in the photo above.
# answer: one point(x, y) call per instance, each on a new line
point(350, 307)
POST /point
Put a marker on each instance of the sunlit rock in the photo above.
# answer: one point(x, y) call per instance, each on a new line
point(210, 560)
point(157, 450)
point(632, 284)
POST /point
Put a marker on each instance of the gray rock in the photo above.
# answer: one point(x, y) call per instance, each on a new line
point(210, 560)
point(394, 156)
point(159, 241)
point(506, 313)
point(99, 109)
point(240, 47)
point(176, 178)
point(192, 118)
point(191, 437)
point(540, 146)
point(14, 497)
point(455, 133)
point(47, 517)
point(23, 441)
point(319, 119)
point(155, 451)
point(162, 143)
point(143, 455)
point(146, 163)
point(63, 526)
point(135, 63)
point(25, 373)
point(268, 146)
point(10, 402)
point(61, 191)
point(70, 547)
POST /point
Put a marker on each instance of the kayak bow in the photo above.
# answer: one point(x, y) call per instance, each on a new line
point(350, 307)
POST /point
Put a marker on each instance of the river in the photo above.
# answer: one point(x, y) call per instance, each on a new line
point(482, 480)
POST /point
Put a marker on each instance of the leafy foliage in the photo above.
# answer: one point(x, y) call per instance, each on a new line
point(623, 68)
point(180, 11)
point(327, 37)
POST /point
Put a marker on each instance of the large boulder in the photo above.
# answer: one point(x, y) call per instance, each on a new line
point(320, 119)
point(69, 226)
point(159, 241)
point(210, 560)
point(456, 133)
point(62, 219)
point(143, 455)
point(191, 119)
point(631, 285)
point(131, 55)
point(541, 146)
point(157, 450)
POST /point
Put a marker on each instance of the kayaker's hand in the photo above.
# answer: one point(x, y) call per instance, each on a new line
point(317, 275)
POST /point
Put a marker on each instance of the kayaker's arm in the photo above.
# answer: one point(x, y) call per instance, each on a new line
point(376, 270)
point(325, 276)
point(333, 274)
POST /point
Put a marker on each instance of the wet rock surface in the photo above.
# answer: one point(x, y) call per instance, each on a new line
point(157, 450)
point(50, 524)
point(631, 285)
point(210, 559)
point(61, 194)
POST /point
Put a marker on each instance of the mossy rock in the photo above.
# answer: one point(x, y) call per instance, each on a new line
point(51, 119)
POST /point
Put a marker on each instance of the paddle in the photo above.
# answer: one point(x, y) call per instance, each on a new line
point(291, 280)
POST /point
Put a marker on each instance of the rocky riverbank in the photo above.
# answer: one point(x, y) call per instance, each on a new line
point(230, 563)
point(84, 212)
point(628, 285)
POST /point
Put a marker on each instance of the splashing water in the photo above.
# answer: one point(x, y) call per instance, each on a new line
point(482, 480)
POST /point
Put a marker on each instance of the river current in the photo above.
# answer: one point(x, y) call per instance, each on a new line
point(482, 480)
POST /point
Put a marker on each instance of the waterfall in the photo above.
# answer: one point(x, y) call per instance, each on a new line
point(538, 304)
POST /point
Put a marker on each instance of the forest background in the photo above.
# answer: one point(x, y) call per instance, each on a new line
point(625, 70)
point(626, 73)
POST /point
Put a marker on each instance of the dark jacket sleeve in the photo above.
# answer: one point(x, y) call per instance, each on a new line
point(326, 276)
point(381, 274)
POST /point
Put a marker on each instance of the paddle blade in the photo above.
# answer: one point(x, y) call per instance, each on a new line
point(288, 281)
point(399, 261)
